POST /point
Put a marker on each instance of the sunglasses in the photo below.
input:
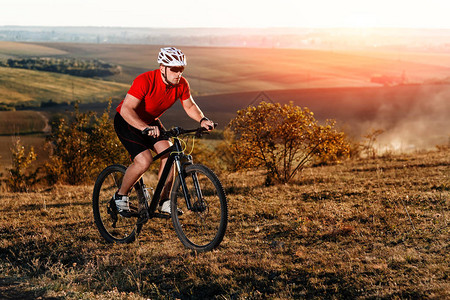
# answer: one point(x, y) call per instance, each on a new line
point(177, 69)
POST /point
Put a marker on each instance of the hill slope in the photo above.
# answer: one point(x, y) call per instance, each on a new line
point(412, 116)
point(13, 49)
point(226, 70)
point(18, 85)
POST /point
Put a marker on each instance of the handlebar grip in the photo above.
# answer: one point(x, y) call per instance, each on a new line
point(176, 131)
point(211, 128)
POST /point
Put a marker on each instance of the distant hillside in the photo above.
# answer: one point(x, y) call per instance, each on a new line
point(14, 49)
point(228, 70)
point(32, 87)
point(76, 67)
point(411, 115)
point(332, 84)
point(22, 122)
point(415, 39)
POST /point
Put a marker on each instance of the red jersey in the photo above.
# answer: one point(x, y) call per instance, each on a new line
point(156, 97)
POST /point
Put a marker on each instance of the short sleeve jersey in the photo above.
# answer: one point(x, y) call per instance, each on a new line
point(155, 96)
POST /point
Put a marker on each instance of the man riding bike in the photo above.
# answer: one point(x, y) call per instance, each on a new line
point(138, 126)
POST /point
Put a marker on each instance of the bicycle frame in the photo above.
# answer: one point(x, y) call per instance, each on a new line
point(175, 154)
point(197, 209)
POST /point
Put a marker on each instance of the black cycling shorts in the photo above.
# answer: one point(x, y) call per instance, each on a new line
point(133, 140)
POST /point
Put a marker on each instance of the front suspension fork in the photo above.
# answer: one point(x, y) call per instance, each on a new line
point(182, 175)
point(198, 205)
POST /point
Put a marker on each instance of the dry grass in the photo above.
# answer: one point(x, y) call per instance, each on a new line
point(364, 229)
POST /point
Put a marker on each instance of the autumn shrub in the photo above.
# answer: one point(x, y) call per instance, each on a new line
point(226, 153)
point(21, 178)
point(81, 147)
point(368, 145)
point(104, 146)
point(283, 139)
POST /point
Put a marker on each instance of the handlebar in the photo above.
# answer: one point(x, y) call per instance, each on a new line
point(176, 131)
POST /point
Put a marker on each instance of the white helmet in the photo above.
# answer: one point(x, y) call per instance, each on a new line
point(171, 57)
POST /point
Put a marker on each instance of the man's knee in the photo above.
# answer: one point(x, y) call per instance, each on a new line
point(143, 161)
point(162, 146)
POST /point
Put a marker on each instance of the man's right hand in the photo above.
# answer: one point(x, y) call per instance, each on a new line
point(151, 131)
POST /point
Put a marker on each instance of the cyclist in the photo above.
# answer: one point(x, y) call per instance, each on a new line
point(138, 126)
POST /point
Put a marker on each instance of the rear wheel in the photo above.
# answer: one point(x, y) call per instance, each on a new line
point(202, 227)
point(113, 227)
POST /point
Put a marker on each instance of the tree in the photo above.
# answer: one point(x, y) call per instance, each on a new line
point(283, 139)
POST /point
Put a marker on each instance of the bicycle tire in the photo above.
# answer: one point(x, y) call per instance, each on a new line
point(203, 227)
point(113, 227)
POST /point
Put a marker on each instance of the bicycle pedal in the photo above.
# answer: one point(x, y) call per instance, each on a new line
point(112, 212)
point(143, 217)
point(129, 214)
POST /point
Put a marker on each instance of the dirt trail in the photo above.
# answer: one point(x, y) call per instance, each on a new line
point(47, 128)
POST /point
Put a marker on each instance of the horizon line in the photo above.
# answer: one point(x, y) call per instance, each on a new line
point(236, 28)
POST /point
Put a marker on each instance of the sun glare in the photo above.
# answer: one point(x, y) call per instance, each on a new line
point(344, 13)
point(230, 14)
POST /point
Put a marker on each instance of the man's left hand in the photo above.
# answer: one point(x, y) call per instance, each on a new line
point(207, 124)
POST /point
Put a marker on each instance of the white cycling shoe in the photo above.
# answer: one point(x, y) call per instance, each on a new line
point(165, 208)
point(123, 206)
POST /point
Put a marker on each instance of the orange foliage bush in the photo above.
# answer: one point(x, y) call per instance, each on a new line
point(283, 139)
point(82, 147)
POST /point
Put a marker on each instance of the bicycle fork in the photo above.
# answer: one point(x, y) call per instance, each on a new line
point(199, 205)
point(182, 175)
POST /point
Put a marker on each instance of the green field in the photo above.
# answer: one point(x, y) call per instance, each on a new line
point(18, 85)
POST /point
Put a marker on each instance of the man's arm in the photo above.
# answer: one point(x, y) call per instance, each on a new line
point(128, 112)
point(196, 114)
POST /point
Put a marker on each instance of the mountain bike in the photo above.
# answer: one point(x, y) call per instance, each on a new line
point(197, 192)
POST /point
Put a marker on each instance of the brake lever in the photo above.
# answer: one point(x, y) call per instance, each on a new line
point(201, 131)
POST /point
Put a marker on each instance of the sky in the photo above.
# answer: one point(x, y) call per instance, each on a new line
point(228, 13)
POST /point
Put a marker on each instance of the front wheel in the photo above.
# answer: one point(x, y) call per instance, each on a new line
point(202, 226)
